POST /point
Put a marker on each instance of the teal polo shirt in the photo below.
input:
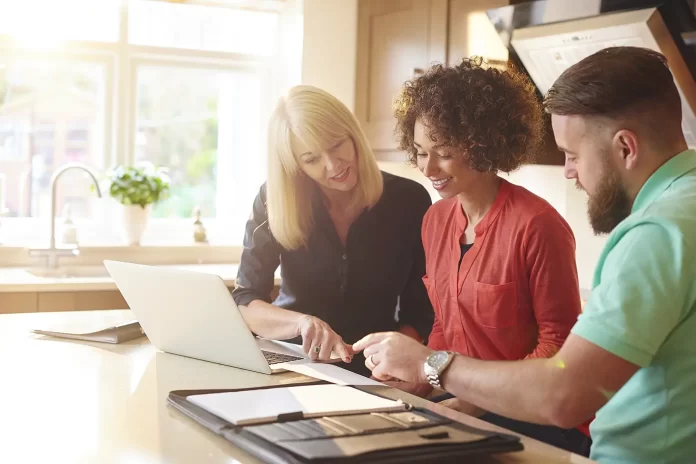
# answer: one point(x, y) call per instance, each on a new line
point(643, 309)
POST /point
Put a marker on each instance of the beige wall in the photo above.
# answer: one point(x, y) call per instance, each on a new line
point(329, 47)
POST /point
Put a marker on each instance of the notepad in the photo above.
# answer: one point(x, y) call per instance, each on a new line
point(266, 405)
point(330, 373)
point(116, 333)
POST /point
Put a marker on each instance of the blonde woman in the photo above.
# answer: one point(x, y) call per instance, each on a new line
point(345, 235)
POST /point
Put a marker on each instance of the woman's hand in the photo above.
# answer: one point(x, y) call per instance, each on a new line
point(319, 340)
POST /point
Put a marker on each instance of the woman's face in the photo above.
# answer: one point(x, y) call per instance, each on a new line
point(448, 171)
point(335, 168)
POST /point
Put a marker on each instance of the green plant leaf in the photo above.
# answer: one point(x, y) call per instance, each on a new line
point(138, 185)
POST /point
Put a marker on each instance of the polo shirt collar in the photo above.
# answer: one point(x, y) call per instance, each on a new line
point(661, 179)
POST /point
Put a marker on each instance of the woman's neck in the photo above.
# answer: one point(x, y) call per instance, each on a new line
point(477, 200)
point(336, 200)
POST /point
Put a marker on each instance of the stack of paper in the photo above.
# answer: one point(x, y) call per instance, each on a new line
point(117, 333)
point(262, 406)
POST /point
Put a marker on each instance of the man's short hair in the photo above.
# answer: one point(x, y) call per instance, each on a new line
point(619, 83)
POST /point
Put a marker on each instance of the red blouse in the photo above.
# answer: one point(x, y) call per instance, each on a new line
point(516, 293)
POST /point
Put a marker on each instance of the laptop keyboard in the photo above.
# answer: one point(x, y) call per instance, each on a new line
point(276, 358)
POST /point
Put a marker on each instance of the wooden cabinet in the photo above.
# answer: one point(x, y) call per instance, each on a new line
point(18, 302)
point(80, 301)
point(31, 302)
point(396, 40)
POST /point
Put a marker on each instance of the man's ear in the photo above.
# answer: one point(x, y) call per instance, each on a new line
point(625, 147)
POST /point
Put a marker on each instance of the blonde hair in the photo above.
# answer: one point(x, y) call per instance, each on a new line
point(318, 120)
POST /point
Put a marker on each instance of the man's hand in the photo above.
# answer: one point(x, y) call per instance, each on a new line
point(394, 355)
point(319, 340)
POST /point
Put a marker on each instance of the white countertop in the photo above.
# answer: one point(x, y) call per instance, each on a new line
point(92, 278)
point(67, 401)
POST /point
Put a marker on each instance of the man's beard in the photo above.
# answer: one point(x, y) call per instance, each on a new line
point(609, 205)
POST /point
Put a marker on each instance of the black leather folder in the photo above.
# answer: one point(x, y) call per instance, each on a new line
point(414, 435)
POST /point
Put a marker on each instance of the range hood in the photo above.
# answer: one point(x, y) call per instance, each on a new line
point(546, 50)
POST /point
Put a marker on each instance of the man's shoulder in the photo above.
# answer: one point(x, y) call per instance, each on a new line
point(660, 237)
point(671, 216)
point(677, 204)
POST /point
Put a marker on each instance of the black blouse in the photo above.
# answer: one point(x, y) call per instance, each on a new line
point(374, 284)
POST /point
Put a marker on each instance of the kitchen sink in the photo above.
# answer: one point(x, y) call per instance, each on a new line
point(66, 272)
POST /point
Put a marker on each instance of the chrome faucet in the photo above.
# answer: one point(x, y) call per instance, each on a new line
point(52, 253)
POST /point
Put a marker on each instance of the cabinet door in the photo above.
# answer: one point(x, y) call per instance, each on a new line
point(81, 301)
point(396, 40)
point(472, 33)
point(106, 299)
point(20, 302)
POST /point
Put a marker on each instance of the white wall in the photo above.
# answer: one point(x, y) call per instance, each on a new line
point(329, 47)
point(546, 181)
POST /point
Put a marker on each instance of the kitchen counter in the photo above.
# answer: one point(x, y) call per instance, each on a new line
point(69, 401)
point(93, 278)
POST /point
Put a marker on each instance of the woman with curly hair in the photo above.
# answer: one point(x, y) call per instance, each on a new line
point(500, 261)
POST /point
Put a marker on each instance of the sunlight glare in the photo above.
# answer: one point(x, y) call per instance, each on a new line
point(46, 24)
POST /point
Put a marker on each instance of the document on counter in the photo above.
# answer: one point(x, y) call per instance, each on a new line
point(329, 373)
point(109, 333)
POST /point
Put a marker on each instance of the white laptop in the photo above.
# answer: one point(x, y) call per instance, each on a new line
point(193, 314)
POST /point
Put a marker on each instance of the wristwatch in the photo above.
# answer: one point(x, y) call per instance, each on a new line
point(435, 366)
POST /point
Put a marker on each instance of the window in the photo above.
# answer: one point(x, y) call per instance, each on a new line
point(41, 101)
point(199, 27)
point(41, 23)
point(204, 125)
point(188, 86)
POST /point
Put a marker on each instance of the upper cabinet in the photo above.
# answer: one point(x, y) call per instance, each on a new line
point(397, 39)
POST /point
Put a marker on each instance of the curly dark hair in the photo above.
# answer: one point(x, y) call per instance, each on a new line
point(493, 117)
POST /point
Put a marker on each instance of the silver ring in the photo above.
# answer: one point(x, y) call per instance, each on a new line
point(372, 361)
point(317, 349)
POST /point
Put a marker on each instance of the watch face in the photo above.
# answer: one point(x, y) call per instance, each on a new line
point(437, 359)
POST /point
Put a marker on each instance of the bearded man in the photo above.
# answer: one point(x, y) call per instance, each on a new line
point(631, 357)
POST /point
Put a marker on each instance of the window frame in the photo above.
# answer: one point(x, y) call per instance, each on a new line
point(122, 61)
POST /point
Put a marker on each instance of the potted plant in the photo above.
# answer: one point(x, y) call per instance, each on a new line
point(137, 188)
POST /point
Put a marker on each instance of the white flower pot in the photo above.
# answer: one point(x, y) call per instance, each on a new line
point(134, 221)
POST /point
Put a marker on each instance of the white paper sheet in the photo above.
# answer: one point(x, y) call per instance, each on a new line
point(329, 373)
point(259, 406)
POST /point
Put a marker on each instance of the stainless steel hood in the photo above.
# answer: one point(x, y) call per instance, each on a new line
point(546, 46)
